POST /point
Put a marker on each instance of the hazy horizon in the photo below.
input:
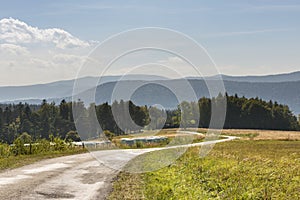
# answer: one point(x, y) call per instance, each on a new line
point(117, 75)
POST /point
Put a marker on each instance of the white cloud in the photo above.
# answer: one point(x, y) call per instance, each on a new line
point(174, 62)
point(30, 55)
point(17, 32)
point(68, 58)
point(40, 63)
point(12, 49)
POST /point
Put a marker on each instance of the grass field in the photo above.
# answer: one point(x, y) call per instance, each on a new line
point(243, 133)
point(243, 169)
point(262, 134)
point(162, 132)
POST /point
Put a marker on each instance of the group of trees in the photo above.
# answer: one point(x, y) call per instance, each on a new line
point(255, 113)
point(241, 113)
point(38, 121)
point(122, 117)
point(41, 121)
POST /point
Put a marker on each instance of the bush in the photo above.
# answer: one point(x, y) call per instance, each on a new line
point(4, 151)
point(72, 136)
point(19, 147)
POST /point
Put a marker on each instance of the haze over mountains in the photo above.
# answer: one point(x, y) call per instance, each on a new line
point(285, 77)
point(283, 88)
point(60, 89)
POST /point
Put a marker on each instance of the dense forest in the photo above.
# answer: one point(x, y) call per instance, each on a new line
point(41, 121)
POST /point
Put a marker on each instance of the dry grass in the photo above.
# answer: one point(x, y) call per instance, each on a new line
point(249, 134)
point(123, 191)
point(245, 134)
point(161, 132)
point(264, 134)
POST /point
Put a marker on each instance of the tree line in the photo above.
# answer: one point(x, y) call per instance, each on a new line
point(241, 113)
point(46, 119)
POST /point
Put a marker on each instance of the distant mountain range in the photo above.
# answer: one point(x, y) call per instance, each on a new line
point(153, 93)
point(283, 88)
point(58, 89)
point(286, 77)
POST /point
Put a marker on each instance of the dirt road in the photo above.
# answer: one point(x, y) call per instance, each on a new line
point(69, 177)
point(76, 177)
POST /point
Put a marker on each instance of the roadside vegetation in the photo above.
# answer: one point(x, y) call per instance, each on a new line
point(242, 169)
point(24, 151)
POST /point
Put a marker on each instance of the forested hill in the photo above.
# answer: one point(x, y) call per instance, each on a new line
point(287, 93)
point(152, 92)
point(50, 119)
point(60, 89)
point(274, 78)
point(283, 88)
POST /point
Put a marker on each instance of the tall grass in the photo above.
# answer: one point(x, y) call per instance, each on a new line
point(21, 153)
point(233, 170)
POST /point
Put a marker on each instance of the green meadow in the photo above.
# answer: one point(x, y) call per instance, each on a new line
point(242, 169)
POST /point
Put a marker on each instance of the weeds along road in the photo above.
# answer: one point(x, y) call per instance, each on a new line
point(77, 177)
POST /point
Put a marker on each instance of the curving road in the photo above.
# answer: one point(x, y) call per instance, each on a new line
point(72, 177)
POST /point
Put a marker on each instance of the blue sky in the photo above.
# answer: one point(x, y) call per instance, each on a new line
point(243, 37)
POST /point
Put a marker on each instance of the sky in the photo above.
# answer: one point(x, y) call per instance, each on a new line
point(45, 41)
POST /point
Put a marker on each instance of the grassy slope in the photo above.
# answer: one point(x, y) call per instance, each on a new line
point(233, 170)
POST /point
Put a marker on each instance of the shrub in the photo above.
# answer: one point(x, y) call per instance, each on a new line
point(72, 136)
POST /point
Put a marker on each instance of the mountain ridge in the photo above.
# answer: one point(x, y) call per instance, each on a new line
point(287, 92)
point(272, 78)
